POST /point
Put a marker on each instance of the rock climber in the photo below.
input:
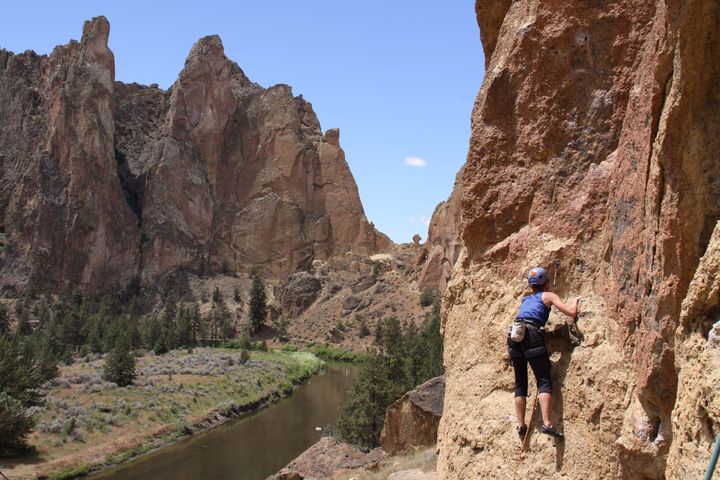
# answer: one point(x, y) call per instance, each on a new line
point(533, 314)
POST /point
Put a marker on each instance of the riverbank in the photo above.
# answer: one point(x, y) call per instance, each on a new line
point(87, 424)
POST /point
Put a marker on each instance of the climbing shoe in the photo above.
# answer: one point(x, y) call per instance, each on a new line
point(552, 431)
point(521, 430)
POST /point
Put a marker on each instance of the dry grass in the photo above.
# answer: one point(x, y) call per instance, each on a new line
point(86, 420)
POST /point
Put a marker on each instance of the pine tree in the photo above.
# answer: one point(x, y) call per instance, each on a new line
point(4, 321)
point(197, 325)
point(362, 416)
point(23, 327)
point(404, 360)
point(363, 330)
point(150, 331)
point(120, 363)
point(258, 304)
point(19, 390)
point(281, 324)
point(184, 328)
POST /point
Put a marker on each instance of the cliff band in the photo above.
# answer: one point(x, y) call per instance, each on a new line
point(102, 182)
point(594, 152)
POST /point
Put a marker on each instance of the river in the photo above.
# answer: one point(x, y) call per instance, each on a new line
point(253, 447)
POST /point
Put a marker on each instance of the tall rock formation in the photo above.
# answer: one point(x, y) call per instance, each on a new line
point(62, 208)
point(594, 153)
point(443, 245)
point(103, 182)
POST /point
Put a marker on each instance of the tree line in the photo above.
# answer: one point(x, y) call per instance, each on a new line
point(53, 330)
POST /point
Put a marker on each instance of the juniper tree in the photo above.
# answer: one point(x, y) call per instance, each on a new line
point(120, 363)
point(258, 304)
point(19, 390)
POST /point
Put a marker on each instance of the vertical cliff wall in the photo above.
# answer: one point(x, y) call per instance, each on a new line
point(62, 210)
point(593, 153)
point(443, 245)
point(102, 182)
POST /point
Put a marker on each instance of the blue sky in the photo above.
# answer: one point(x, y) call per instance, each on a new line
point(398, 78)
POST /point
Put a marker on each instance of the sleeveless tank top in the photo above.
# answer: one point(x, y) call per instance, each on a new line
point(532, 308)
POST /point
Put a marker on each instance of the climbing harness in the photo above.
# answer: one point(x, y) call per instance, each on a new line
point(713, 459)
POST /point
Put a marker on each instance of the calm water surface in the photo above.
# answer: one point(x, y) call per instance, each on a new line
point(250, 448)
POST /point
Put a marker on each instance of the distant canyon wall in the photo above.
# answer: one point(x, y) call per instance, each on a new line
point(102, 182)
point(593, 152)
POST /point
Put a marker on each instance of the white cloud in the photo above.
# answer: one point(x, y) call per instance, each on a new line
point(424, 220)
point(415, 162)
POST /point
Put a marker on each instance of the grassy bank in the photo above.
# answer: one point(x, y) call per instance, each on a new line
point(329, 353)
point(87, 424)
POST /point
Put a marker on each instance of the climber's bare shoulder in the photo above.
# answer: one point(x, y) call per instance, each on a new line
point(550, 298)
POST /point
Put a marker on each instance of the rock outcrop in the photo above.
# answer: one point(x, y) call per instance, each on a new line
point(412, 421)
point(103, 182)
point(297, 292)
point(327, 458)
point(62, 207)
point(442, 248)
point(593, 153)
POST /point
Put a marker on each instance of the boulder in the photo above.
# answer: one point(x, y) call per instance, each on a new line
point(351, 302)
point(327, 458)
point(413, 474)
point(297, 293)
point(363, 284)
point(412, 421)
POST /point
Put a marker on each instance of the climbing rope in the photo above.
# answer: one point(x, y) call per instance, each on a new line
point(713, 460)
point(523, 445)
point(3, 476)
point(526, 438)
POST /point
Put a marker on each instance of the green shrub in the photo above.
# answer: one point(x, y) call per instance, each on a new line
point(69, 427)
point(120, 364)
point(330, 353)
point(428, 297)
point(19, 390)
point(244, 357)
point(404, 360)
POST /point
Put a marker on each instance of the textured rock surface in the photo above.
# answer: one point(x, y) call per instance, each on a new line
point(62, 207)
point(102, 181)
point(594, 143)
point(327, 458)
point(442, 248)
point(413, 474)
point(297, 293)
point(412, 421)
point(697, 414)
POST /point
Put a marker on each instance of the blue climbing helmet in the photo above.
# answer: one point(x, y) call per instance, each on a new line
point(537, 276)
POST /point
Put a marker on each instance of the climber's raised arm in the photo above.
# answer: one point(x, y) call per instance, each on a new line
point(570, 309)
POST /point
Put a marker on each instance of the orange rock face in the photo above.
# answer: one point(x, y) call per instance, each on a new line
point(442, 248)
point(412, 421)
point(104, 182)
point(63, 212)
point(593, 153)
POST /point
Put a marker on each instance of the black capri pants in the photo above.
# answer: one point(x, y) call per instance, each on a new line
point(531, 350)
